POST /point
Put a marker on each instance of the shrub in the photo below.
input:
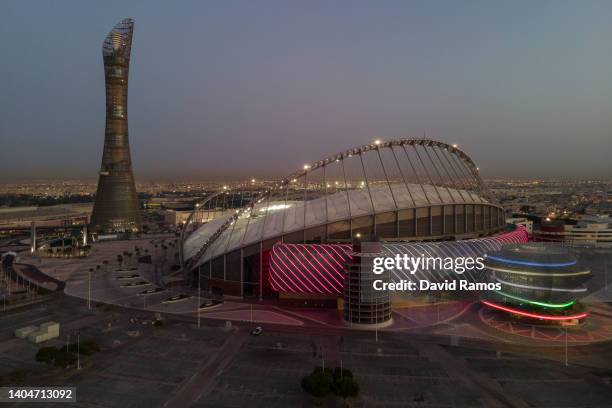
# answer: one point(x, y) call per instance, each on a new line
point(71, 349)
point(85, 347)
point(158, 323)
point(42, 291)
point(321, 382)
point(318, 383)
point(65, 359)
point(346, 387)
point(46, 354)
point(341, 373)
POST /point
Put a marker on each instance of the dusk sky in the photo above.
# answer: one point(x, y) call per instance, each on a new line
point(229, 89)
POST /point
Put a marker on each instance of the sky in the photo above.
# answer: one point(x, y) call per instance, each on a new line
point(230, 89)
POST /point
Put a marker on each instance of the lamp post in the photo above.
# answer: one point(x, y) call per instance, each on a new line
point(376, 321)
point(89, 289)
point(78, 350)
point(566, 346)
point(199, 296)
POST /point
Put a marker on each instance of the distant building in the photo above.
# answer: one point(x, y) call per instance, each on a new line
point(604, 207)
point(178, 217)
point(63, 215)
point(590, 230)
point(174, 218)
point(116, 206)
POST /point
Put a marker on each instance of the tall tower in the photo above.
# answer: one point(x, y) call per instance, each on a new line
point(116, 206)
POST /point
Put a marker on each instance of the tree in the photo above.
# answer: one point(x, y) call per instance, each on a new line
point(120, 260)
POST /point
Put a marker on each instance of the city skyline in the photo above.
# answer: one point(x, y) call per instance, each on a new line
point(222, 103)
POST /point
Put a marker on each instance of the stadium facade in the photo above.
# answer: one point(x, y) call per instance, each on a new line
point(293, 239)
point(116, 205)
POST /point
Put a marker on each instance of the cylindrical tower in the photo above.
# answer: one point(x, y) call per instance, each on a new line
point(364, 306)
point(116, 206)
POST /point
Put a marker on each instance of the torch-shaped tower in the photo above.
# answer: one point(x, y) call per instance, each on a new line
point(116, 206)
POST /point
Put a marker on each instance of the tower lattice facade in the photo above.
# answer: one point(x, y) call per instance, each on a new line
point(116, 205)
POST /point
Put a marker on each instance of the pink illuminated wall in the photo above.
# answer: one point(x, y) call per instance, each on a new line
point(308, 268)
point(319, 268)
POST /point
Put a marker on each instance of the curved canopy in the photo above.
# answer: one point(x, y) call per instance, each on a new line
point(371, 180)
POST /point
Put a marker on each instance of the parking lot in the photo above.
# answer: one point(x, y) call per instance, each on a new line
point(179, 364)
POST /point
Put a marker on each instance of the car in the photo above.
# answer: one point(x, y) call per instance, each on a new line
point(206, 303)
point(176, 298)
point(151, 291)
point(257, 331)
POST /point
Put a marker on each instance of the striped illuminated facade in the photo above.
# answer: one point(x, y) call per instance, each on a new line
point(312, 268)
point(319, 268)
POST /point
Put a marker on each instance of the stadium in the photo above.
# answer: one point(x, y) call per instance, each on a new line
point(292, 239)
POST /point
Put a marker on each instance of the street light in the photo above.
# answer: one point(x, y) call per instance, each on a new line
point(89, 289)
point(78, 350)
point(199, 295)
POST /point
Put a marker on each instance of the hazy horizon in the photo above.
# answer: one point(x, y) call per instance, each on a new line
point(234, 90)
